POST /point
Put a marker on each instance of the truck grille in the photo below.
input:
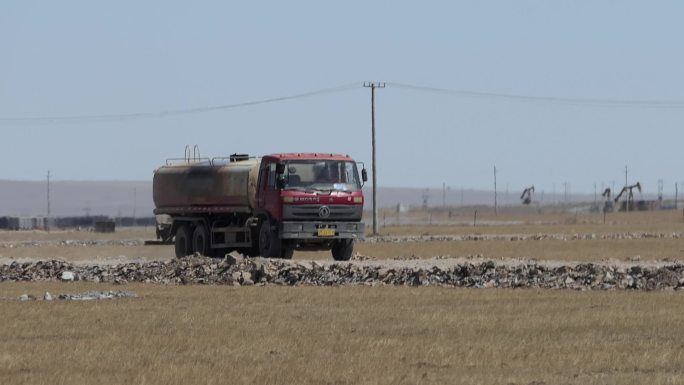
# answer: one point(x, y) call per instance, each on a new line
point(337, 212)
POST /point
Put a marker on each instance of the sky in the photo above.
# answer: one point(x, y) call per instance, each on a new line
point(77, 58)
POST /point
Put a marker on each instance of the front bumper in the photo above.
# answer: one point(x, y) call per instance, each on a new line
point(311, 230)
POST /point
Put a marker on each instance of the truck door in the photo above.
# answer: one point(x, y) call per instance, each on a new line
point(269, 197)
point(261, 189)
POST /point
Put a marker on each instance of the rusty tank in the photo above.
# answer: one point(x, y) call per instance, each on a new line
point(229, 184)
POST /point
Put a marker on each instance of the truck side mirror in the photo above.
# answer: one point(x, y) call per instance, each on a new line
point(280, 168)
point(280, 181)
point(364, 175)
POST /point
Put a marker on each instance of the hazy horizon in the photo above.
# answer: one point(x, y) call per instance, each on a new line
point(134, 198)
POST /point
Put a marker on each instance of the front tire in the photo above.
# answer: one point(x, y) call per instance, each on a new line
point(269, 243)
point(343, 249)
point(182, 241)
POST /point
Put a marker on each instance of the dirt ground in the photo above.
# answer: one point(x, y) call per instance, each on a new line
point(127, 244)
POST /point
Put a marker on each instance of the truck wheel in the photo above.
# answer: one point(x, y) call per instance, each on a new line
point(200, 240)
point(252, 251)
point(182, 243)
point(343, 249)
point(269, 243)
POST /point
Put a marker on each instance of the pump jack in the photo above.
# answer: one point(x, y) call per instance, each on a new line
point(608, 204)
point(527, 195)
point(629, 204)
point(606, 193)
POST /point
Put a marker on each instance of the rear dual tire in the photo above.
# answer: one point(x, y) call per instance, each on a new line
point(200, 241)
point(188, 242)
point(182, 242)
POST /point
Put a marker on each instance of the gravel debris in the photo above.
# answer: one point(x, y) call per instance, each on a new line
point(96, 295)
point(86, 296)
point(446, 272)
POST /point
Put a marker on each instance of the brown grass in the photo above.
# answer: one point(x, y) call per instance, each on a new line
point(353, 335)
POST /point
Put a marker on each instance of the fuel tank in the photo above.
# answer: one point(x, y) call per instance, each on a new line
point(206, 184)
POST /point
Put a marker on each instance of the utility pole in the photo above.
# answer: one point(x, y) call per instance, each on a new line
point(565, 192)
point(495, 205)
point(626, 183)
point(373, 86)
point(660, 190)
point(47, 220)
point(135, 202)
point(676, 194)
point(425, 197)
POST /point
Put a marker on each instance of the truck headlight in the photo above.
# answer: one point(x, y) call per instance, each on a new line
point(358, 199)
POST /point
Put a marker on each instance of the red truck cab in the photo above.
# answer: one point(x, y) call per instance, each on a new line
point(312, 201)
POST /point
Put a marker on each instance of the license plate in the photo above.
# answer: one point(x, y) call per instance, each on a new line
point(326, 232)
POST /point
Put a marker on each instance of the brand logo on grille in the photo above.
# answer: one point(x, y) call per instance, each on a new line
point(306, 199)
point(324, 212)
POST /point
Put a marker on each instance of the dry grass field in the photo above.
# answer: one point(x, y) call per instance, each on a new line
point(353, 335)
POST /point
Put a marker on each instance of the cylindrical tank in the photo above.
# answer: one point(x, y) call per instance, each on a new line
point(206, 184)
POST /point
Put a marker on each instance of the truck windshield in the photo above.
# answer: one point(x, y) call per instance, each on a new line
point(321, 175)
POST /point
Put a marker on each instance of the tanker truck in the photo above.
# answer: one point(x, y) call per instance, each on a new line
point(268, 206)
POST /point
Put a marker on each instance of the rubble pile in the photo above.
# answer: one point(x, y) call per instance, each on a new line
point(234, 270)
point(86, 296)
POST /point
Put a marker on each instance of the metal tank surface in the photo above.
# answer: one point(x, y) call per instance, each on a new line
point(211, 185)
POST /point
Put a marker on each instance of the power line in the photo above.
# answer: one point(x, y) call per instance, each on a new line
point(664, 103)
point(661, 103)
point(166, 113)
